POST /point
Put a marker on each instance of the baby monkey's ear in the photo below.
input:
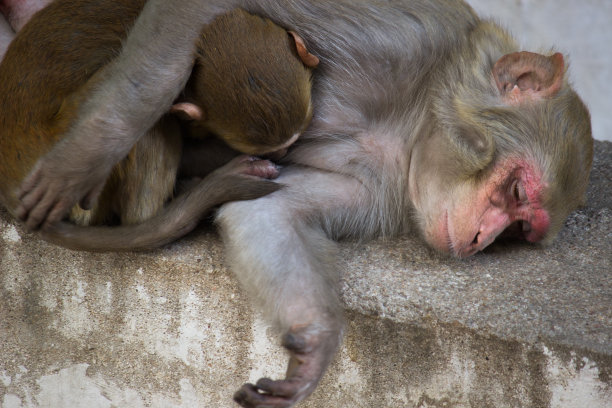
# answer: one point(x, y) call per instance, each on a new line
point(307, 58)
point(188, 111)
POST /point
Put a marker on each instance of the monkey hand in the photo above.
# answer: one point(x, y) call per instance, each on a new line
point(69, 174)
point(311, 353)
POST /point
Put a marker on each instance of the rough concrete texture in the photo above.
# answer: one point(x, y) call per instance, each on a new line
point(581, 29)
point(516, 326)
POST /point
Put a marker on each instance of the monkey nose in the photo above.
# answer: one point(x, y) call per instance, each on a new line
point(484, 237)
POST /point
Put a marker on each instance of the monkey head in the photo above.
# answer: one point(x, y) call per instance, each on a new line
point(253, 88)
point(257, 113)
point(515, 162)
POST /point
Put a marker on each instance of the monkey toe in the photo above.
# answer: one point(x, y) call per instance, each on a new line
point(251, 396)
point(262, 168)
point(288, 388)
point(309, 357)
point(251, 166)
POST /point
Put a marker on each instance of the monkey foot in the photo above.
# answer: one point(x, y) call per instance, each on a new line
point(310, 355)
point(254, 166)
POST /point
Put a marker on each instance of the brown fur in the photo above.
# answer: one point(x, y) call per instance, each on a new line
point(255, 94)
point(248, 79)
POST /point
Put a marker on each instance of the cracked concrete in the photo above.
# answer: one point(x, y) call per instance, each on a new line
point(516, 326)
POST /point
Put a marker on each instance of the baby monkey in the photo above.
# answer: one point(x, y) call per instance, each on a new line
point(250, 87)
point(247, 86)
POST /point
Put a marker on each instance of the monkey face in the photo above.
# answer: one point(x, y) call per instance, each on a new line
point(461, 215)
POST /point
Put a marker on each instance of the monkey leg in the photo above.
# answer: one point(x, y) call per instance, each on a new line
point(244, 178)
point(279, 250)
point(145, 179)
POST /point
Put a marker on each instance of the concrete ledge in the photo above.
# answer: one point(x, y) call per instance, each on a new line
point(516, 326)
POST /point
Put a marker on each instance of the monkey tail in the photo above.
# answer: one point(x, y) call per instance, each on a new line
point(179, 218)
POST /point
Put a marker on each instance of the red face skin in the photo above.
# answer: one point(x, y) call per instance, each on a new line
point(510, 196)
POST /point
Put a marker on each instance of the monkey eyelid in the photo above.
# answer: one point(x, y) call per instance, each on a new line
point(517, 190)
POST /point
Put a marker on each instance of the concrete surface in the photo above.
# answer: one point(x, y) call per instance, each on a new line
point(581, 29)
point(517, 326)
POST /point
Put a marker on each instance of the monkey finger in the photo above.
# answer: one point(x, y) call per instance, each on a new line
point(30, 182)
point(288, 388)
point(245, 158)
point(39, 212)
point(248, 396)
point(88, 201)
point(28, 202)
point(57, 212)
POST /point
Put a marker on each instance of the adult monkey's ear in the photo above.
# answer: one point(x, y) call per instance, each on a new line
point(307, 58)
point(527, 76)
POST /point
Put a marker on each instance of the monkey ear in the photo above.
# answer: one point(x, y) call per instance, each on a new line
point(187, 111)
point(527, 76)
point(307, 58)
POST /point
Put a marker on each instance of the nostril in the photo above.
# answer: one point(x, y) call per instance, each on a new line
point(475, 241)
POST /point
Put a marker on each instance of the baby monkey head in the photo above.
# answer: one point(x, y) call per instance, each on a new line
point(251, 84)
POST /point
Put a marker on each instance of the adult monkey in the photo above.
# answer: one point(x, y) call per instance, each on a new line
point(453, 131)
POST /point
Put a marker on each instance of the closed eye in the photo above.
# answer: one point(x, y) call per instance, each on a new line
point(518, 192)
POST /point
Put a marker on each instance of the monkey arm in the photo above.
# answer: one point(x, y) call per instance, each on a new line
point(133, 92)
point(137, 87)
point(281, 253)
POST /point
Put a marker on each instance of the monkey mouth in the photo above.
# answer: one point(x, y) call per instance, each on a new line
point(513, 231)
